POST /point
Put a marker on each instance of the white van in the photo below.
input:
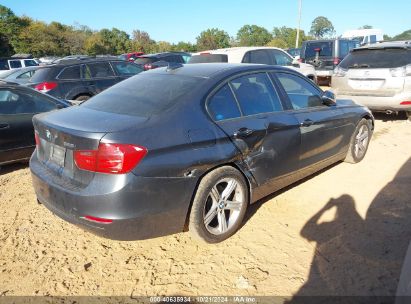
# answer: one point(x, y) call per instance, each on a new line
point(365, 36)
point(16, 63)
point(259, 54)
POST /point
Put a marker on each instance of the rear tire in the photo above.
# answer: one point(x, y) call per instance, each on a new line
point(408, 115)
point(219, 205)
point(359, 142)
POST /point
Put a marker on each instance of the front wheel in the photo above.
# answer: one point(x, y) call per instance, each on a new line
point(359, 142)
point(219, 205)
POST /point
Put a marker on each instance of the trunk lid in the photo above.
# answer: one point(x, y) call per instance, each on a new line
point(62, 132)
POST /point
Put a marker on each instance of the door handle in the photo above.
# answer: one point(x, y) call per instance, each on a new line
point(4, 126)
point(243, 132)
point(307, 123)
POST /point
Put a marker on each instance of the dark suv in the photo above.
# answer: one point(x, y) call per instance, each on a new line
point(153, 61)
point(79, 79)
point(325, 55)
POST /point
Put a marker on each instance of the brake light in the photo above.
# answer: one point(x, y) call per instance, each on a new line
point(44, 87)
point(97, 219)
point(148, 66)
point(205, 53)
point(37, 139)
point(406, 103)
point(110, 158)
point(336, 61)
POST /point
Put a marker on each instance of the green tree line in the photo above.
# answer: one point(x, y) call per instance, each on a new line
point(22, 34)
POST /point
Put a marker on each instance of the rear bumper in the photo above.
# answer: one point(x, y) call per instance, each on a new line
point(140, 207)
point(381, 103)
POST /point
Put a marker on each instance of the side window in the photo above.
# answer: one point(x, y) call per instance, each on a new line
point(97, 70)
point(180, 59)
point(15, 64)
point(125, 68)
point(186, 58)
point(4, 65)
point(279, 58)
point(30, 62)
point(300, 91)
point(14, 102)
point(258, 56)
point(26, 75)
point(223, 105)
point(255, 94)
point(70, 73)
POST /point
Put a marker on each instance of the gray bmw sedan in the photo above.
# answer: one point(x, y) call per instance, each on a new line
point(189, 146)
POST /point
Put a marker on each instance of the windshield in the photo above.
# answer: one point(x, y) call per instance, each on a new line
point(325, 48)
point(143, 95)
point(40, 75)
point(144, 60)
point(377, 58)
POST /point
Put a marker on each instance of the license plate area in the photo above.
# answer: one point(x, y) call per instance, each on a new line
point(57, 155)
point(366, 84)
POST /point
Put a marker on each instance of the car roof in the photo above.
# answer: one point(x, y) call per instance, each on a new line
point(208, 70)
point(163, 54)
point(236, 54)
point(64, 62)
point(387, 45)
point(15, 58)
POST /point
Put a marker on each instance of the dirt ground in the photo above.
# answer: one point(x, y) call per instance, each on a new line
point(342, 232)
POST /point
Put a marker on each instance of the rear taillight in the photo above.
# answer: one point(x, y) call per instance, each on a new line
point(46, 86)
point(406, 103)
point(37, 139)
point(110, 158)
point(147, 66)
point(336, 61)
point(300, 60)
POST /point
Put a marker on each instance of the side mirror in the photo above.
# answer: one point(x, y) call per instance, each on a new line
point(328, 98)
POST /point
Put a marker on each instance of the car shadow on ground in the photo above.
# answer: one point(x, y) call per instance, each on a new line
point(253, 208)
point(5, 169)
point(356, 256)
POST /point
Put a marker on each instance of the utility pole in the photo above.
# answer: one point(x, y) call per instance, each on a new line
point(299, 22)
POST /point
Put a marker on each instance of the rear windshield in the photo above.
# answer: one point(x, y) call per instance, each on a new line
point(377, 59)
point(325, 48)
point(207, 58)
point(346, 46)
point(40, 75)
point(143, 95)
point(144, 60)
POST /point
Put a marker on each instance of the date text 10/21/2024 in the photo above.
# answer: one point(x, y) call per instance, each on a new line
point(202, 299)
